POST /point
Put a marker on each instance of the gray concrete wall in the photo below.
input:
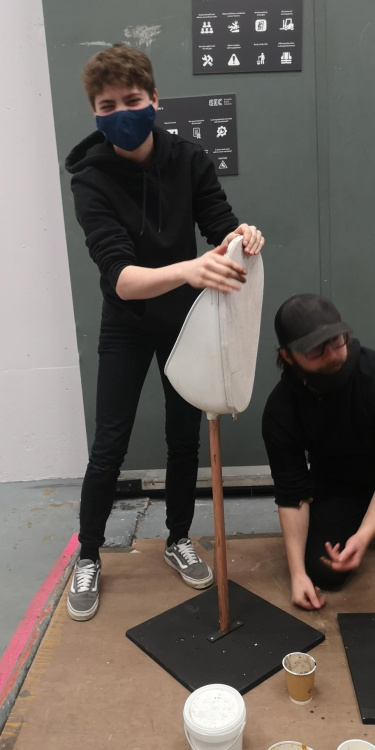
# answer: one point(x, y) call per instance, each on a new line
point(305, 177)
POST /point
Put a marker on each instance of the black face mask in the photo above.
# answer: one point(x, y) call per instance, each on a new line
point(127, 129)
point(332, 381)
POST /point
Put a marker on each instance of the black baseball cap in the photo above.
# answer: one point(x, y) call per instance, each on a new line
point(307, 320)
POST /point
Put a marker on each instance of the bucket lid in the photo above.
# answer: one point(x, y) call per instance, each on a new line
point(214, 708)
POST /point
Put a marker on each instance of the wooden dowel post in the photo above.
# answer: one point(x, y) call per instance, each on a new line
point(219, 524)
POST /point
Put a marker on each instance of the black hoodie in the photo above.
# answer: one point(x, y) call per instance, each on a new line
point(145, 215)
point(331, 418)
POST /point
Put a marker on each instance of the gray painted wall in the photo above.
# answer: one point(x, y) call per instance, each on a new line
point(305, 178)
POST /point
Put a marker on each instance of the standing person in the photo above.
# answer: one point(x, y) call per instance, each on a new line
point(139, 191)
point(322, 412)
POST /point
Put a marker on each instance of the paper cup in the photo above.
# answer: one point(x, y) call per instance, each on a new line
point(289, 745)
point(355, 745)
point(300, 672)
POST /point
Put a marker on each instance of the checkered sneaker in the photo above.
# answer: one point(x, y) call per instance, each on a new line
point(182, 557)
point(83, 596)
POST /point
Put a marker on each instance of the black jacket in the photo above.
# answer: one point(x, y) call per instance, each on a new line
point(145, 216)
point(333, 427)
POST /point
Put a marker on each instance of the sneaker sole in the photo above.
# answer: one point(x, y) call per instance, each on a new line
point(82, 616)
point(204, 583)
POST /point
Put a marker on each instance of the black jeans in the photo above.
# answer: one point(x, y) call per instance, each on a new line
point(125, 355)
point(333, 520)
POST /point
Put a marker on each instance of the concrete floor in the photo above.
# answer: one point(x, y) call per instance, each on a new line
point(90, 686)
point(37, 520)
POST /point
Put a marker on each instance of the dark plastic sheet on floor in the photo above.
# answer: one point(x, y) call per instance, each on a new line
point(358, 634)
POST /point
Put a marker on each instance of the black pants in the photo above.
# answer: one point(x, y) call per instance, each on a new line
point(125, 355)
point(334, 521)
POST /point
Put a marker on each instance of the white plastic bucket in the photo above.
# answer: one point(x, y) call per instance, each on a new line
point(214, 718)
point(355, 745)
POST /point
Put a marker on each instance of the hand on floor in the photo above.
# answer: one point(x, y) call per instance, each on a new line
point(305, 594)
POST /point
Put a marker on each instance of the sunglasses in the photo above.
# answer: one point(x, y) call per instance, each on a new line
point(337, 342)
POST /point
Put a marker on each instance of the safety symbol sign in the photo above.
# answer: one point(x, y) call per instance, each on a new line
point(234, 27)
point(261, 24)
point(207, 28)
point(248, 36)
point(206, 121)
point(286, 58)
point(233, 60)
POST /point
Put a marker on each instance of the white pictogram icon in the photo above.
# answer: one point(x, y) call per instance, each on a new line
point(261, 24)
point(234, 27)
point(197, 133)
point(221, 131)
point(207, 60)
point(223, 165)
point(233, 60)
point(207, 28)
point(261, 59)
point(286, 58)
point(174, 131)
point(288, 25)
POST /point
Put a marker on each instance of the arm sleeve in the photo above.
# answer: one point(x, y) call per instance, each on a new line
point(287, 457)
point(108, 241)
point(212, 212)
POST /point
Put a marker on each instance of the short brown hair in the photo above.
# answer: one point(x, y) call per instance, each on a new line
point(117, 65)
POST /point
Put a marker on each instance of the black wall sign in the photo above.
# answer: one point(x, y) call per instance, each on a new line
point(246, 36)
point(207, 120)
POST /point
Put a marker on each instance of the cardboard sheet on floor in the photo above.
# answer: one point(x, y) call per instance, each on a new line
point(90, 687)
point(183, 640)
point(358, 634)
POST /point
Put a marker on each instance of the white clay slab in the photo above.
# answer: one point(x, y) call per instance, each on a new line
point(212, 364)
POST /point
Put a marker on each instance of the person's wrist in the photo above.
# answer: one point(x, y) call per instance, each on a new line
point(365, 535)
point(297, 573)
point(182, 271)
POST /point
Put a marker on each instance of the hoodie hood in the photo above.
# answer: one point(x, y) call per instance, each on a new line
point(92, 150)
point(97, 151)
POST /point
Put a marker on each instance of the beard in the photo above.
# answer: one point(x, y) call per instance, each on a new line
point(327, 369)
point(330, 377)
point(330, 367)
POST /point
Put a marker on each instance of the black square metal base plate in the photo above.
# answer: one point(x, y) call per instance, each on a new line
point(358, 634)
point(178, 640)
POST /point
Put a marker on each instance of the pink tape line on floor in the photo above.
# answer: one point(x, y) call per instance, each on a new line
point(24, 638)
